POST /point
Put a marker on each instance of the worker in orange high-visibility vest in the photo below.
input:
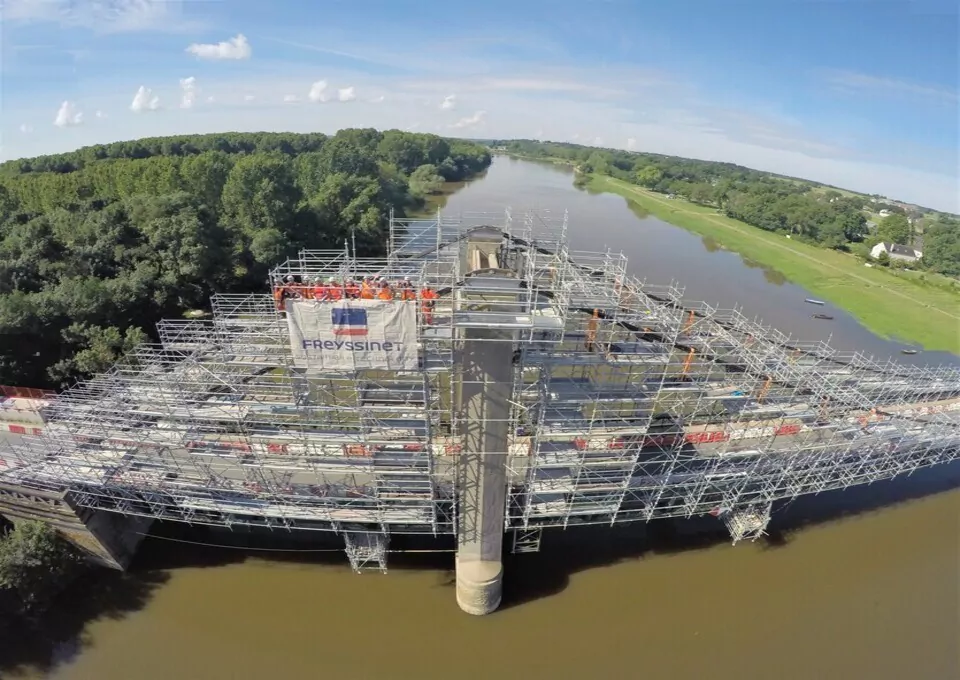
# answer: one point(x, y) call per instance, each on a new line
point(384, 293)
point(334, 291)
point(406, 290)
point(366, 289)
point(278, 297)
point(428, 298)
point(352, 290)
point(288, 290)
point(294, 288)
point(319, 290)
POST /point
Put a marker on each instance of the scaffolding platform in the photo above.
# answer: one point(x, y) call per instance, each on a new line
point(627, 403)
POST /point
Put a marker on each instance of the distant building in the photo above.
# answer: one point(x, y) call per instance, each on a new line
point(884, 213)
point(896, 252)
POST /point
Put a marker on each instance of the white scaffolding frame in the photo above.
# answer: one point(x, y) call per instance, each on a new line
point(628, 403)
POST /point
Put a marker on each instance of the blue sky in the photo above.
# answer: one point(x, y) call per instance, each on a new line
point(858, 93)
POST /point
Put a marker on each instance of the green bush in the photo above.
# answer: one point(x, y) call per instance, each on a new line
point(36, 563)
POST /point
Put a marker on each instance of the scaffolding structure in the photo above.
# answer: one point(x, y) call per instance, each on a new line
point(627, 403)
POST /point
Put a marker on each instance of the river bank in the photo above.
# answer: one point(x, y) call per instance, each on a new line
point(890, 305)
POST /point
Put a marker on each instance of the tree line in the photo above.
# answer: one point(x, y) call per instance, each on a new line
point(803, 209)
point(98, 244)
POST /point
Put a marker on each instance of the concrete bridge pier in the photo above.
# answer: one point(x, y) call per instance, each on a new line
point(107, 539)
point(482, 469)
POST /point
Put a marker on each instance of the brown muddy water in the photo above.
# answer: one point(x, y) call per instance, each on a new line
point(863, 583)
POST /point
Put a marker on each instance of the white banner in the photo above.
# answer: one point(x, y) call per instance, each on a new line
point(353, 334)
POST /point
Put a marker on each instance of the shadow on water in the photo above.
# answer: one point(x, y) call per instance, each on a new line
point(59, 636)
point(56, 637)
point(531, 577)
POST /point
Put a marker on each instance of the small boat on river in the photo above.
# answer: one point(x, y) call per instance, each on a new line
point(815, 302)
point(823, 316)
point(909, 351)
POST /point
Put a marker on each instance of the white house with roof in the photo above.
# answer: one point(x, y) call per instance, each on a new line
point(896, 252)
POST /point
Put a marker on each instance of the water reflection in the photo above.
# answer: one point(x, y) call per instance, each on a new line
point(39, 644)
point(638, 210)
point(770, 274)
point(439, 200)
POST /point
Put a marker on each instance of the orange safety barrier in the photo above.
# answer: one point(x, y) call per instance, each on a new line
point(787, 429)
point(356, 450)
point(26, 392)
point(706, 437)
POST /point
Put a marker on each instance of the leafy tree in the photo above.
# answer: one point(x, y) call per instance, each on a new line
point(403, 150)
point(425, 180)
point(342, 154)
point(35, 562)
point(895, 229)
point(96, 349)
point(832, 235)
point(721, 192)
point(941, 247)
point(883, 259)
point(701, 193)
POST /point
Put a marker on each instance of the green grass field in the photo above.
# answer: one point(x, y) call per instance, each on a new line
point(891, 304)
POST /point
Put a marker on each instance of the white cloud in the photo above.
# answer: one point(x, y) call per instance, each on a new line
point(347, 94)
point(144, 100)
point(68, 115)
point(377, 100)
point(867, 84)
point(449, 102)
point(26, 128)
point(234, 48)
point(470, 121)
point(318, 92)
point(598, 141)
point(672, 118)
point(249, 97)
point(104, 16)
point(100, 114)
point(188, 92)
point(211, 99)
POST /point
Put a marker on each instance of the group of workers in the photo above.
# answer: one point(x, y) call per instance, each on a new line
point(364, 288)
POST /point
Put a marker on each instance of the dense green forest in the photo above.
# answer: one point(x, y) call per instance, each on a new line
point(803, 209)
point(98, 244)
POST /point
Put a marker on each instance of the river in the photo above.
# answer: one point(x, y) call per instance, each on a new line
point(859, 584)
